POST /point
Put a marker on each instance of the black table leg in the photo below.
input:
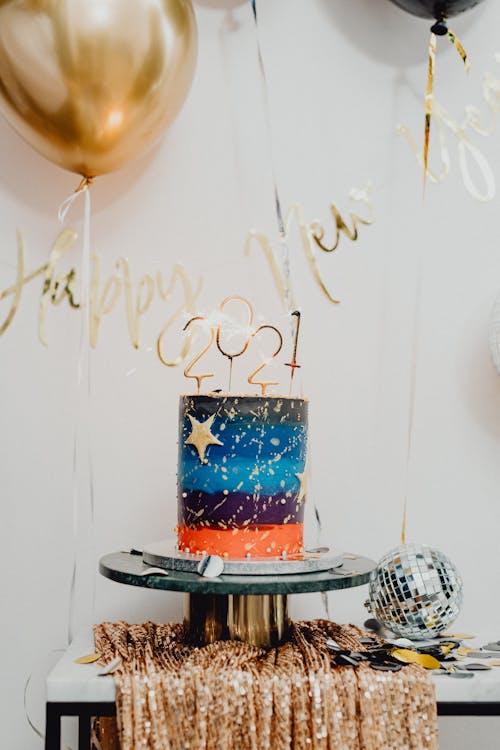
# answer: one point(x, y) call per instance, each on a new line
point(84, 722)
point(473, 708)
point(53, 727)
point(84, 711)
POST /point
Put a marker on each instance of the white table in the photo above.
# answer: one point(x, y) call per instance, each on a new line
point(77, 690)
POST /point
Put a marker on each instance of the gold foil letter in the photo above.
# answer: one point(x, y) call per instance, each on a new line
point(188, 306)
point(63, 243)
point(103, 305)
point(18, 286)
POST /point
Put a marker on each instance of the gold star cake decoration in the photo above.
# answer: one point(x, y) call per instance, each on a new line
point(201, 436)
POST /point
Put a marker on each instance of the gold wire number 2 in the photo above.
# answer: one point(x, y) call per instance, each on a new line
point(187, 372)
point(264, 384)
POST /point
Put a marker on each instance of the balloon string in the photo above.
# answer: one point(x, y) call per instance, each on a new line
point(37, 731)
point(66, 204)
point(413, 389)
point(82, 419)
point(440, 29)
point(285, 252)
point(81, 440)
point(27, 684)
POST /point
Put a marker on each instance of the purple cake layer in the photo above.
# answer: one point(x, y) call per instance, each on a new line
point(236, 509)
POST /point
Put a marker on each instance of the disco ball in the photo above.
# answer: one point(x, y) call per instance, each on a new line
point(415, 591)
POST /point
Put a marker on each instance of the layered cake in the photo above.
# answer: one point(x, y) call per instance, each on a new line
point(241, 482)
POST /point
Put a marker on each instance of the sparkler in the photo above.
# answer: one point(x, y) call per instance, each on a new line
point(293, 364)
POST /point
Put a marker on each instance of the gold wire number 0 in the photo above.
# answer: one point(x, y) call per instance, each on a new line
point(230, 355)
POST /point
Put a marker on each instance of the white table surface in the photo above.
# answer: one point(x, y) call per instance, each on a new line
point(69, 682)
point(80, 683)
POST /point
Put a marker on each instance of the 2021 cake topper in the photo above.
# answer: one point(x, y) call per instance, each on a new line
point(220, 326)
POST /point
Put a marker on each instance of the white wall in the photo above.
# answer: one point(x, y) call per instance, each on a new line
point(342, 74)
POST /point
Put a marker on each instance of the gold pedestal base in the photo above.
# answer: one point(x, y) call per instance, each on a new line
point(261, 620)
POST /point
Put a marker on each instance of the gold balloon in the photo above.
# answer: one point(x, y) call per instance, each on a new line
point(91, 84)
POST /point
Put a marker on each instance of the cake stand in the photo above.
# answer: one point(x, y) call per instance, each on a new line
point(245, 606)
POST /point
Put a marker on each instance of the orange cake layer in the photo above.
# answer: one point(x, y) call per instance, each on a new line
point(262, 541)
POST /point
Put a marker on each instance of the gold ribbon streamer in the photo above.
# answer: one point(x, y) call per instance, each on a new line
point(458, 46)
point(428, 101)
point(413, 387)
point(438, 28)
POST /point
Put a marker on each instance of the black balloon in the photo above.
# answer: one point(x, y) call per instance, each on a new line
point(436, 8)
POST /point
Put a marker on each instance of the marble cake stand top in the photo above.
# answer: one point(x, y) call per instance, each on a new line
point(124, 567)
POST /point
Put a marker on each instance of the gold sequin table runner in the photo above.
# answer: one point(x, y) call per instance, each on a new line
point(228, 695)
